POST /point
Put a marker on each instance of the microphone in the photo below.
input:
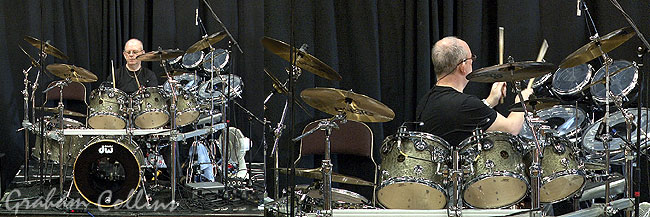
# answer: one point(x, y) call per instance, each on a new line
point(196, 18)
point(578, 11)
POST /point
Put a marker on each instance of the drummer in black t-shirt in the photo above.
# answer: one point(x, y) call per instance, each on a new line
point(133, 76)
point(451, 114)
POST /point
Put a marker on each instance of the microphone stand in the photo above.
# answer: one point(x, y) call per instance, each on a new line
point(223, 26)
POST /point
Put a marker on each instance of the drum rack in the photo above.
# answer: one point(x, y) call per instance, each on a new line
point(139, 132)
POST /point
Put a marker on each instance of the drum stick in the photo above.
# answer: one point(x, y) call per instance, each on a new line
point(113, 73)
point(540, 57)
point(501, 40)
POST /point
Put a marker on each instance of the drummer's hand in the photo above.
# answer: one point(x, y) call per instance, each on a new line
point(524, 93)
point(498, 91)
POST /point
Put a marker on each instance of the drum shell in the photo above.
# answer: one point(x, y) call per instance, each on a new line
point(410, 183)
point(72, 144)
point(562, 169)
point(107, 108)
point(124, 151)
point(150, 108)
point(499, 158)
point(187, 108)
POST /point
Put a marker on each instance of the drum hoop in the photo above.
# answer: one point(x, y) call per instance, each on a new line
point(542, 80)
point(471, 139)
point(577, 88)
point(626, 90)
point(104, 139)
point(419, 134)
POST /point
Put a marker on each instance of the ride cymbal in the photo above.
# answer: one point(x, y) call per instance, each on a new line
point(317, 173)
point(56, 110)
point(591, 50)
point(206, 42)
point(303, 59)
point(160, 55)
point(509, 72)
point(47, 48)
point(356, 106)
point(74, 73)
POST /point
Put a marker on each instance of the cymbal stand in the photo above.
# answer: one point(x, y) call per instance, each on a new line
point(326, 125)
point(61, 84)
point(172, 132)
point(26, 124)
point(535, 167)
point(277, 132)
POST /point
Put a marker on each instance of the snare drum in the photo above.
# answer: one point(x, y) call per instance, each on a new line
point(411, 175)
point(105, 166)
point(571, 81)
point(595, 147)
point(623, 83)
point(562, 173)
point(220, 88)
point(150, 108)
point(216, 61)
point(565, 120)
point(107, 108)
point(497, 178)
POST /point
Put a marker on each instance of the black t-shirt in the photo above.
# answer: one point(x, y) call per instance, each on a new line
point(453, 115)
point(125, 79)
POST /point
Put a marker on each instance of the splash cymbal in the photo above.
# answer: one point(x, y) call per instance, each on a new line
point(591, 50)
point(509, 72)
point(303, 59)
point(56, 110)
point(356, 106)
point(74, 73)
point(47, 47)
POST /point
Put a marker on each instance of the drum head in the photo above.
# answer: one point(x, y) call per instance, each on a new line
point(569, 81)
point(192, 60)
point(560, 188)
point(221, 85)
point(564, 120)
point(216, 60)
point(621, 84)
point(411, 195)
point(188, 82)
point(106, 173)
point(616, 122)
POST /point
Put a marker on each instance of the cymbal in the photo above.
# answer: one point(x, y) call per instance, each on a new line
point(74, 73)
point(603, 80)
point(34, 62)
point(591, 50)
point(356, 106)
point(160, 55)
point(509, 72)
point(303, 59)
point(535, 104)
point(317, 173)
point(277, 85)
point(206, 42)
point(56, 110)
point(175, 72)
point(47, 48)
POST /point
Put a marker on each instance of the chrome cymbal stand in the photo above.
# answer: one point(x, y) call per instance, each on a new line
point(26, 124)
point(327, 126)
point(173, 131)
point(60, 84)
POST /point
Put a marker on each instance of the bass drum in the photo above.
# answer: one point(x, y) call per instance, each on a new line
point(107, 171)
point(411, 174)
point(498, 178)
point(623, 83)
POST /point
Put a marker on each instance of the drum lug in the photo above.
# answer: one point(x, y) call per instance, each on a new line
point(417, 169)
point(489, 164)
point(487, 144)
point(564, 162)
point(420, 145)
point(385, 174)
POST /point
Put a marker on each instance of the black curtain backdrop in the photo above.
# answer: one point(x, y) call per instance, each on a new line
point(380, 48)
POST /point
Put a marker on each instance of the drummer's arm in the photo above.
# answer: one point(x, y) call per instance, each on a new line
point(515, 120)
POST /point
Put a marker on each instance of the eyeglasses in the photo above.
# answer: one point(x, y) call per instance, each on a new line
point(132, 52)
point(473, 58)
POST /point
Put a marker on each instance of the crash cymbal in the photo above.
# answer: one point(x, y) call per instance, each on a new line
point(303, 60)
point(602, 80)
point(56, 110)
point(74, 73)
point(591, 50)
point(317, 173)
point(160, 55)
point(535, 104)
point(356, 106)
point(47, 48)
point(509, 72)
point(206, 42)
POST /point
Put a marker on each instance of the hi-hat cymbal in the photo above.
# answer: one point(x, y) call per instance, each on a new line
point(160, 55)
point(356, 106)
point(535, 104)
point(56, 110)
point(206, 42)
point(74, 73)
point(303, 59)
point(509, 72)
point(47, 48)
point(317, 173)
point(591, 50)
